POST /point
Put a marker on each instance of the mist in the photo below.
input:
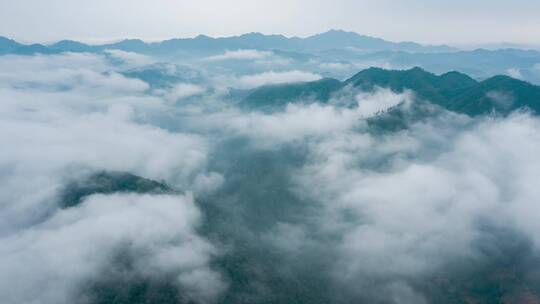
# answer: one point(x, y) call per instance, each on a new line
point(314, 202)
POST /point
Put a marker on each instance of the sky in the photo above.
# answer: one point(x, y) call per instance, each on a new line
point(426, 21)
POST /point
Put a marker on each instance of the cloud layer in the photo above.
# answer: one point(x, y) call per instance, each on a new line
point(316, 202)
point(49, 262)
point(62, 117)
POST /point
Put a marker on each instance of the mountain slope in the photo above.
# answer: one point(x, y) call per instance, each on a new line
point(107, 183)
point(7, 45)
point(453, 91)
point(437, 89)
point(273, 96)
point(72, 46)
point(342, 39)
point(500, 94)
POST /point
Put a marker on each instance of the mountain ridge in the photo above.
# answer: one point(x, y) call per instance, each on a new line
point(317, 42)
point(453, 90)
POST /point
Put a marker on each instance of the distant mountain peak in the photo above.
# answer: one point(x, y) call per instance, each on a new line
point(5, 39)
point(203, 37)
point(339, 32)
point(8, 45)
point(134, 41)
point(343, 35)
point(253, 34)
point(258, 35)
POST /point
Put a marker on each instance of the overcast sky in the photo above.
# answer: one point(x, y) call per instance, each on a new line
point(427, 21)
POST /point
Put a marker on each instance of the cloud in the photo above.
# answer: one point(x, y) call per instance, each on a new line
point(208, 183)
point(130, 59)
point(80, 72)
point(299, 121)
point(274, 61)
point(296, 122)
point(62, 117)
point(514, 73)
point(504, 100)
point(51, 261)
point(78, 126)
point(536, 69)
point(339, 66)
point(371, 104)
point(183, 90)
point(269, 78)
point(17, 64)
point(352, 66)
point(241, 55)
point(305, 201)
point(365, 64)
point(426, 203)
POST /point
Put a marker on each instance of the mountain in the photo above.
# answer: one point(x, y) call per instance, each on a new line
point(161, 75)
point(341, 39)
point(437, 89)
point(106, 183)
point(279, 95)
point(72, 46)
point(478, 63)
point(128, 45)
point(33, 49)
point(261, 41)
point(333, 39)
point(7, 45)
point(501, 94)
point(453, 91)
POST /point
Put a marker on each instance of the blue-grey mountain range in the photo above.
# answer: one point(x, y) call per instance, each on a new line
point(345, 49)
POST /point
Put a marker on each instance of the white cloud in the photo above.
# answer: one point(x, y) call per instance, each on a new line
point(208, 182)
point(183, 90)
point(93, 141)
point(268, 78)
point(49, 262)
point(80, 125)
point(16, 64)
point(360, 65)
point(504, 100)
point(80, 72)
point(62, 117)
point(241, 55)
point(371, 104)
point(339, 66)
point(423, 206)
point(514, 73)
point(298, 121)
point(274, 61)
point(397, 205)
point(130, 59)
